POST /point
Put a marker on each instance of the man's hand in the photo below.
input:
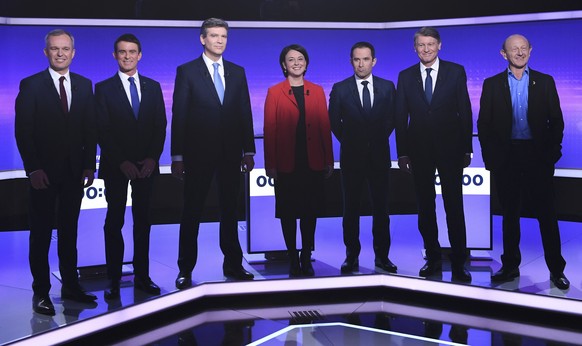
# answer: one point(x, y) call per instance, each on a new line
point(147, 167)
point(39, 180)
point(178, 169)
point(129, 170)
point(405, 164)
point(88, 177)
point(247, 163)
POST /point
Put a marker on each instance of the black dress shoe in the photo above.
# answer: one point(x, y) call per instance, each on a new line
point(237, 273)
point(147, 286)
point(386, 265)
point(461, 274)
point(77, 294)
point(431, 268)
point(350, 265)
point(505, 274)
point(560, 281)
point(183, 281)
point(43, 305)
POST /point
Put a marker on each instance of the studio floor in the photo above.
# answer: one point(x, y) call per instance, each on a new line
point(368, 322)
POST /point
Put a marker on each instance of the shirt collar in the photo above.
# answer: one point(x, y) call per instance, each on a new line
point(209, 62)
point(55, 75)
point(526, 71)
point(125, 76)
point(359, 80)
point(435, 66)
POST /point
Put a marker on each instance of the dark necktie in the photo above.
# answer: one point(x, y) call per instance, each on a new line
point(134, 96)
point(64, 102)
point(366, 99)
point(428, 85)
point(218, 82)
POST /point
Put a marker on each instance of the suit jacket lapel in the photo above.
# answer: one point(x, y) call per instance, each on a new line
point(145, 91)
point(441, 80)
point(207, 78)
point(51, 86)
point(356, 96)
point(419, 84)
point(532, 87)
point(506, 92)
point(122, 96)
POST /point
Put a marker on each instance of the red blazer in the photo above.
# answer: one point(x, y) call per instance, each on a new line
point(281, 116)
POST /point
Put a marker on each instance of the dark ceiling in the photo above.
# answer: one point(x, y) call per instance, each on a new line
point(278, 10)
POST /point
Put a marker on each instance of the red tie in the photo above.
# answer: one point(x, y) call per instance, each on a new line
point(64, 103)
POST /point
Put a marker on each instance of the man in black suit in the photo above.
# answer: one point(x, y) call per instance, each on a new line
point(212, 136)
point(56, 138)
point(520, 128)
point(433, 132)
point(361, 112)
point(132, 129)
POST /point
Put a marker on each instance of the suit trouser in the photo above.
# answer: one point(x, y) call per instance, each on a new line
point(197, 182)
point(527, 172)
point(353, 182)
point(64, 200)
point(116, 196)
point(450, 170)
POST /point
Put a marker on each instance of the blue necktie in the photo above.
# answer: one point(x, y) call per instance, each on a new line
point(218, 82)
point(366, 99)
point(134, 96)
point(428, 85)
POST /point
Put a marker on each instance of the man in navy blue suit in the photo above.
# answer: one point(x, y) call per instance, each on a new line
point(434, 132)
point(56, 138)
point(212, 137)
point(132, 129)
point(361, 112)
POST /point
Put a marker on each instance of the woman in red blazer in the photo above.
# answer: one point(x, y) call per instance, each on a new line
point(298, 153)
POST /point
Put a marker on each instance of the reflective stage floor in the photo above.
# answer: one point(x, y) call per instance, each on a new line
point(366, 308)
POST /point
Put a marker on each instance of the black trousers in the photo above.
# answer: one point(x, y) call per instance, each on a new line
point(353, 182)
point(197, 183)
point(450, 170)
point(116, 196)
point(61, 201)
point(527, 174)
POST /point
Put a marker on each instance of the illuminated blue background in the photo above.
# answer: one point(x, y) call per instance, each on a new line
point(257, 49)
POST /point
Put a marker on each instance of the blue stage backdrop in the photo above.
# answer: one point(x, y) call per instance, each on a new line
point(472, 43)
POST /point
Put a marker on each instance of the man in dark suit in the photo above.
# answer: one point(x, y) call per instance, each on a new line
point(433, 132)
point(212, 136)
point(132, 129)
point(361, 112)
point(520, 129)
point(56, 138)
